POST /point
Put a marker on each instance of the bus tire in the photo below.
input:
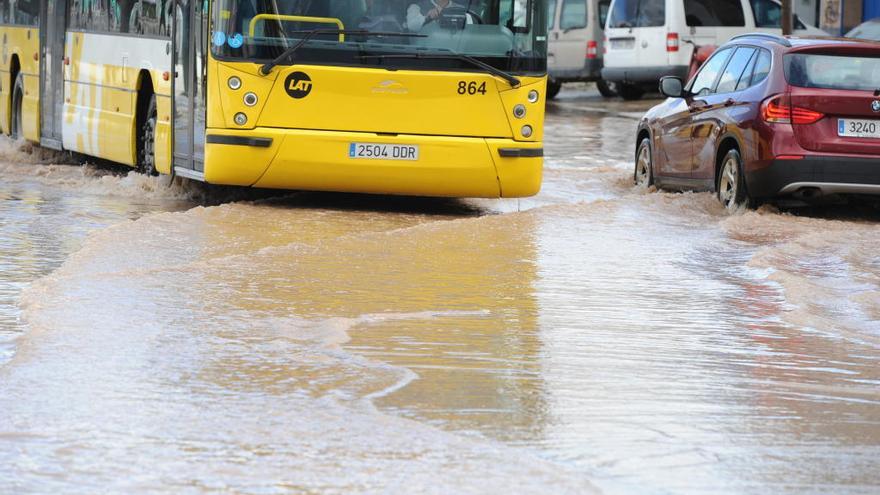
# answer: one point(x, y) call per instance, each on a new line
point(17, 98)
point(147, 138)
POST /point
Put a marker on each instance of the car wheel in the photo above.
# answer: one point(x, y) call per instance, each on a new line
point(643, 176)
point(605, 88)
point(553, 88)
point(731, 184)
point(629, 91)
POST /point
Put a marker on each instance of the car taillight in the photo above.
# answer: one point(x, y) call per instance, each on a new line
point(805, 116)
point(672, 42)
point(605, 46)
point(778, 110)
point(592, 49)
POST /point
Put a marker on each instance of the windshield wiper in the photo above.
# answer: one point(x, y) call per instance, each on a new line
point(267, 67)
point(513, 81)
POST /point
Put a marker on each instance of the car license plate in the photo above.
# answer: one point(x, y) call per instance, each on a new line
point(379, 151)
point(858, 128)
point(623, 43)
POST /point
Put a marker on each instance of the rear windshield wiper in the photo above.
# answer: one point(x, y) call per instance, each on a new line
point(513, 81)
point(267, 67)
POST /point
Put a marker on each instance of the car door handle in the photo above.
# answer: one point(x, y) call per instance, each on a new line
point(729, 102)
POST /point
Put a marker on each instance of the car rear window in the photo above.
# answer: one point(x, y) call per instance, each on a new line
point(714, 13)
point(637, 13)
point(809, 70)
point(574, 14)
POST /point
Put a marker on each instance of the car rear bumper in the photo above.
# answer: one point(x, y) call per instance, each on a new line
point(592, 71)
point(643, 75)
point(816, 176)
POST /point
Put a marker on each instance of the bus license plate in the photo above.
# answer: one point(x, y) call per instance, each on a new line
point(378, 151)
point(858, 128)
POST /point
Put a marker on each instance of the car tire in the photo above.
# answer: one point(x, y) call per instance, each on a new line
point(17, 98)
point(147, 145)
point(553, 88)
point(730, 185)
point(629, 91)
point(605, 88)
point(643, 175)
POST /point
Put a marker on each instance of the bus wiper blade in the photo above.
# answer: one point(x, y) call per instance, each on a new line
point(513, 81)
point(267, 67)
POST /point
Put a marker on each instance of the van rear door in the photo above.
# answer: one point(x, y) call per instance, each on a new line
point(553, 33)
point(714, 22)
point(571, 48)
point(636, 34)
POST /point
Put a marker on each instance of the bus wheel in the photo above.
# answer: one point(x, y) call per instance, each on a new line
point(147, 158)
point(17, 97)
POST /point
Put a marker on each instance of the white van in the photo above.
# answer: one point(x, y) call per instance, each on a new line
point(649, 39)
point(574, 51)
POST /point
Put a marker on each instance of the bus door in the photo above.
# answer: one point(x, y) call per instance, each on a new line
point(189, 90)
point(53, 24)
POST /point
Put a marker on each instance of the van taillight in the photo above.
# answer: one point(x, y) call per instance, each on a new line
point(605, 45)
point(592, 49)
point(672, 42)
point(778, 110)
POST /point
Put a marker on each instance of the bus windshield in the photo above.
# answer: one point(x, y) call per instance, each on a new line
point(510, 35)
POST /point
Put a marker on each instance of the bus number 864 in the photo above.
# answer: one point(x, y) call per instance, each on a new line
point(471, 88)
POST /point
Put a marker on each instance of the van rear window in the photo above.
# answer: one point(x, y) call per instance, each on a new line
point(809, 70)
point(637, 13)
point(714, 13)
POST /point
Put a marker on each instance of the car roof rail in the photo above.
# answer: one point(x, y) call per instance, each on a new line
point(767, 36)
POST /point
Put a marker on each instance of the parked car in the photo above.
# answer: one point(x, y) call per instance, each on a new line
point(766, 117)
point(649, 39)
point(574, 51)
point(868, 30)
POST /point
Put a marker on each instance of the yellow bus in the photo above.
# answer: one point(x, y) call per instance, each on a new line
point(416, 97)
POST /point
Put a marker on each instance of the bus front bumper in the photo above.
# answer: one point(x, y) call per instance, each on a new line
point(319, 161)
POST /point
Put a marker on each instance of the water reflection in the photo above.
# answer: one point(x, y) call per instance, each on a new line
point(338, 343)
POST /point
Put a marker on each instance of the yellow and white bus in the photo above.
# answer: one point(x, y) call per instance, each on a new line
point(417, 97)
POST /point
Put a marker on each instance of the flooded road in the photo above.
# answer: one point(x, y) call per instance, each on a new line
point(593, 338)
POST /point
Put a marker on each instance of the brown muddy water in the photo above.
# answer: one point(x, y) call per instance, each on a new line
point(593, 338)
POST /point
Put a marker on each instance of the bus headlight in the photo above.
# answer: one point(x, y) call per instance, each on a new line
point(250, 99)
point(234, 83)
point(533, 96)
point(526, 131)
point(519, 111)
point(240, 118)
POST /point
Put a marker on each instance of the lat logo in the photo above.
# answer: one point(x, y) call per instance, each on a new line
point(875, 106)
point(298, 85)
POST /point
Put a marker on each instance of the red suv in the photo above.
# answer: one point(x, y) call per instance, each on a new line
point(766, 117)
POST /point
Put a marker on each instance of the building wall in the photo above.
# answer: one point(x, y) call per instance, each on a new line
point(806, 10)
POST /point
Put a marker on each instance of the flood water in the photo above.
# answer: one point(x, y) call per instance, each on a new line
point(593, 338)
